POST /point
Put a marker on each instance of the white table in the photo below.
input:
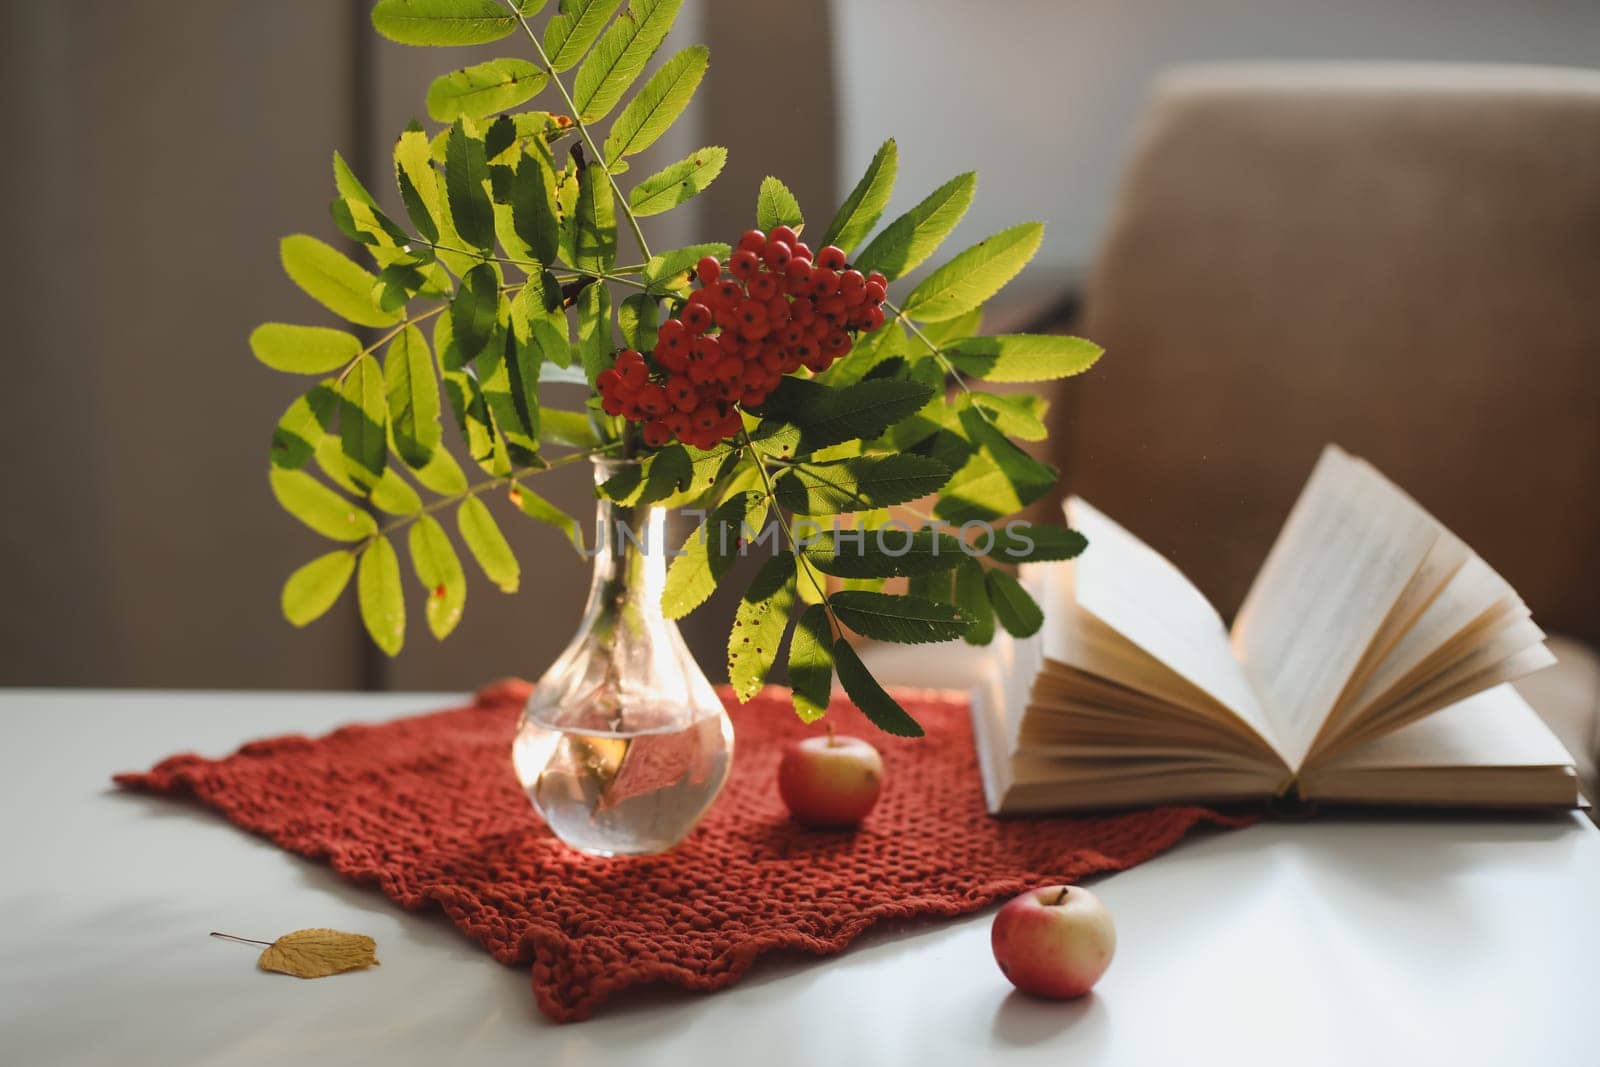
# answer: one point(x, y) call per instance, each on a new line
point(1339, 941)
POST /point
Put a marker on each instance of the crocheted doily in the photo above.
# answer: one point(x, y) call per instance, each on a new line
point(427, 808)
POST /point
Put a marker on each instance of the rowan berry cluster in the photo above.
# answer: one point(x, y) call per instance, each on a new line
point(770, 310)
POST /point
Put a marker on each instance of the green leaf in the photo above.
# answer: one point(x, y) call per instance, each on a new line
point(671, 269)
point(1019, 415)
point(413, 397)
point(333, 280)
point(594, 331)
point(538, 318)
point(1023, 357)
point(394, 495)
point(303, 349)
point(319, 507)
point(569, 34)
point(677, 184)
point(314, 588)
point(974, 275)
point(657, 477)
point(534, 215)
point(444, 22)
point(972, 597)
point(637, 320)
point(474, 316)
point(483, 89)
point(363, 413)
point(571, 428)
point(488, 545)
point(1015, 609)
point(811, 663)
point(859, 484)
point(1023, 542)
point(438, 568)
point(594, 238)
point(864, 206)
point(759, 625)
point(382, 601)
point(776, 206)
point(303, 426)
point(998, 479)
point(906, 620)
point(914, 236)
point(865, 692)
point(938, 585)
point(828, 416)
point(442, 474)
point(622, 53)
point(348, 185)
point(658, 105)
point(892, 551)
point(708, 554)
point(539, 509)
point(466, 169)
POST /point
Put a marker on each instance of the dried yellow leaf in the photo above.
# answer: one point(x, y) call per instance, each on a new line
point(318, 953)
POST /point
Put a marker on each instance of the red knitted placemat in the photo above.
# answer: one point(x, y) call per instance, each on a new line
point(428, 809)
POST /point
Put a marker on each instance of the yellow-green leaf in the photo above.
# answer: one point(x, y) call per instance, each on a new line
point(864, 206)
point(569, 34)
point(484, 89)
point(333, 280)
point(758, 626)
point(442, 474)
point(438, 568)
point(658, 105)
point(974, 275)
point(466, 170)
point(314, 588)
point(811, 663)
point(903, 244)
point(319, 507)
point(776, 206)
point(303, 349)
point(412, 394)
point(622, 53)
point(488, 545)
point(362, 418)
point(303, 426)
point(677, 184)
point(1023, 357)
point(382, 601)
point(446, 22)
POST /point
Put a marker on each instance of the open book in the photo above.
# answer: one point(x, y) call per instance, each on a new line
point(1368, 665)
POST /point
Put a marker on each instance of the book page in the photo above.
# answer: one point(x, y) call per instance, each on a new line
point(1132, 590)
point(1346, 555)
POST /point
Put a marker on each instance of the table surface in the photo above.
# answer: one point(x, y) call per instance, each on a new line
point(1335, 941)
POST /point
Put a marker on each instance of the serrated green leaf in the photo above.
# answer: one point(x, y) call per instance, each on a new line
point(539, 509)
point(1023, 357)
point(314, 588)
point(658, 105)
point(864, 206)
point(672, 269)
point(442, 475)
point(508, 374)
point(972, 597)
point(445, 22)
point(534, 213)
point(828, 416)
point(1020, 415)
point(997, 479)
point(419, 189)
point(412, 392)
point(594, 235)
point(776, 206)
point(474, 316)
point(916, 235)
point(637, 320)
point(394, 495)
point(622, 53)
point(569, 34)
point(892, 551)
point(974, 275)
point(363, 415)
point(303, 349)
point(708, 553)
point(811, 663)
point(655, 478)
point(1016, 610)
point(484, 89)
point(381, 598)
point(938, 585)
point(759, 624)
point(594, 331)
point(859, 484)
point(333, 280)
point(438, 568)
point(906, 620)
point(348, 185)
point(319, 507)
point(1023, 542)
point(488, 545)
point(304, 425)
point(466, 170)
point(677, 184)
point(864, 691)
point(538, 318)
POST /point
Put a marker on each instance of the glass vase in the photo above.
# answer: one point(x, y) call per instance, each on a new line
point(624, 744)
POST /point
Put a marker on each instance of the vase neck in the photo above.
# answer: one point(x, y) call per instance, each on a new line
point(630, 560)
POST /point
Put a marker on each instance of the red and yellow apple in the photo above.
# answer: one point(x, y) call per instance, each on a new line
point(830, 782)
point(1054, 942)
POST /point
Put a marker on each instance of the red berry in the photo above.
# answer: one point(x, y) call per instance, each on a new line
point(763, 287)
point(634, 375)
point(607, 380)
point(656, 433)
point(876, 293)
point(824, 280)
point(831, 257)
point(800, 250)
point(709, 269)
point(697, 318)
point(730, 369)
point(877, 276)
point(852, 281)
point(678, 422)
point(872, 319)
point(653, 399)
point(681, 392)
point(753, 241)
point(611, 405)
point(778, 254)
point(745, 263)
point(785, 234)
point(729, 291)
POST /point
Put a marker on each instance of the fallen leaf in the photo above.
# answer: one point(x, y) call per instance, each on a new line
point(318, 953)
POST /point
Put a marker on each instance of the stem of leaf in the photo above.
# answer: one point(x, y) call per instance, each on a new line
point(565, 275)
point(583, 131)
point(783, 523)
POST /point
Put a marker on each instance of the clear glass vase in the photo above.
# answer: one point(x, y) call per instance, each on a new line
point(624, 745)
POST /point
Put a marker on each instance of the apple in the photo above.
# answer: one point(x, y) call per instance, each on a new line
point(830, 782)
point(1054, 942)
